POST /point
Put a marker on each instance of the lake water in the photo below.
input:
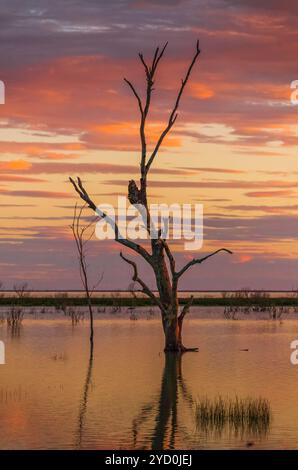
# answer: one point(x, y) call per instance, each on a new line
point(128, 395)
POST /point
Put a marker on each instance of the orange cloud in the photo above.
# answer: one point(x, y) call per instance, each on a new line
point(244, 258)
point(15, 165)
point(124, 130)
point(201, 90)
point(37, 150)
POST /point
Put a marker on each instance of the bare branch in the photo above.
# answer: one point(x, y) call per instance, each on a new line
point(145, 289)
point(173, 115)
point(100, 278)
point(82, 193)
point(145, 65)
point(150, 72)
point(123, 241)
point(185, 309)
point(136, 95)
point(199, 261)
point(170, 256)
point(158, 57)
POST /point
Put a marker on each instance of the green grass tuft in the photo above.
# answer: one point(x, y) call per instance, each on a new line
point(245, 416)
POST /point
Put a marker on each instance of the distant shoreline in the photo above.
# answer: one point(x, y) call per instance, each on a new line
point(114, 291)
point(262, 299)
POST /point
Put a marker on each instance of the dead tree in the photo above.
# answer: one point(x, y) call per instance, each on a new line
point(160, 256)
point(82, 237)
point(22, 290)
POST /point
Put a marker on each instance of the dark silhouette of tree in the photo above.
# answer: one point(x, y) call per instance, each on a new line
point(160, 256)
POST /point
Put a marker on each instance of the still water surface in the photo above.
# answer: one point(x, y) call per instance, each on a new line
point(55, 395)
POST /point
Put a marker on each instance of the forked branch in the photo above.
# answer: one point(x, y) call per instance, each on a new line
point(79, 188)
point(145, 289)
point(185, 310)
point(170, 256)
point(173, 115)
point(131, 86)
point(199, 261)
point(144, 109)
point(150, 72)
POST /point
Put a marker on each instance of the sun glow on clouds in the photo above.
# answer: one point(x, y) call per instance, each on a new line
point(244, 258)
point(201, 90)
point(132, 130)
point(68, 110)
point(15, 165)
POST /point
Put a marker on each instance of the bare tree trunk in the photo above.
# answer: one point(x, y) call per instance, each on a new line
point(90, 316)
point(167, 288)
point(173, 341)
point(160, 257)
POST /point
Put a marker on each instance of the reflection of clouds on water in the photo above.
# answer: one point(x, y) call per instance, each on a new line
point(137, 398)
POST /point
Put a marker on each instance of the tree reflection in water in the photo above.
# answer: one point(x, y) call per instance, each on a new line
point(14, 330)
point(174, 394)
point(84, 399)
point(162, 423)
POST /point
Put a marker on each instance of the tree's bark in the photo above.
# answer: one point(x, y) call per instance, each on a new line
point(169, 299)
point(173, 336)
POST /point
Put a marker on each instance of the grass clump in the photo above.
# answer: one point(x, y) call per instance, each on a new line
point(249, 416)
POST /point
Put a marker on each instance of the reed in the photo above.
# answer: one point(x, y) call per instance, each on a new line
point(75, 315)
point(274, 312)
point(250, 416)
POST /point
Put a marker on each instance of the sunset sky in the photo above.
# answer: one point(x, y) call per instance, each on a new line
point(69, 112)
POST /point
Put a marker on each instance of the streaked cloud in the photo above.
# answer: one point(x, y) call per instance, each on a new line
point(271, 194)
point(68, 112)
